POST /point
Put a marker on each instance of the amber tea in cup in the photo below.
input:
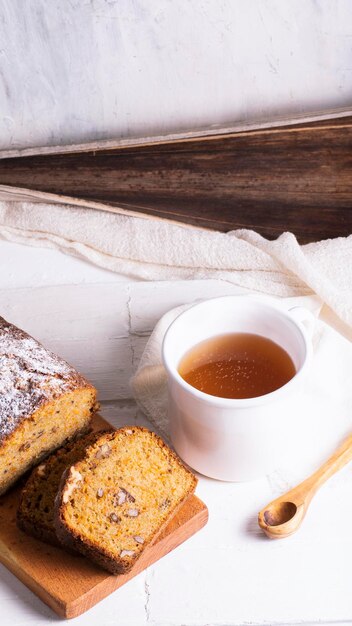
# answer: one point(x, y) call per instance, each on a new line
point(237, 365)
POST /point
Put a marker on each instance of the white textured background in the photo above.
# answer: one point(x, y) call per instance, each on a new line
point(78, 70)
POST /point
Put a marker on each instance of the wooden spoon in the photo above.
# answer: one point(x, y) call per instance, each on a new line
point(283, 516)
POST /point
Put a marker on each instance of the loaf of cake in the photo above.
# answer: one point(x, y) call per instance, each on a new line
point(35, 513)
point(43, 403)
point(114, 502)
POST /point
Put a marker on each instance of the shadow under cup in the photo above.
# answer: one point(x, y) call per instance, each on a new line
point(235, 439)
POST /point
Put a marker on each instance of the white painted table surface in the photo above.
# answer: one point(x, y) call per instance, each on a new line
point(229, 573)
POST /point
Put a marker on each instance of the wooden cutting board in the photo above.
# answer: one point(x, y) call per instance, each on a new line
point(70, 584)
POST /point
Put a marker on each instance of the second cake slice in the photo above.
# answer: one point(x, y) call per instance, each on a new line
point(115, 501)
point(35, 513)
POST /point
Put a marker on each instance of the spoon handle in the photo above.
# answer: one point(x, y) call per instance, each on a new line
point(343, 455)
point(283, 516)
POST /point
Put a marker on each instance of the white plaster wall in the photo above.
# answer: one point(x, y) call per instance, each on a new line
point(78, 70)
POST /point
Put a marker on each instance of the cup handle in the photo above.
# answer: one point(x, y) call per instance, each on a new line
point(305, 317)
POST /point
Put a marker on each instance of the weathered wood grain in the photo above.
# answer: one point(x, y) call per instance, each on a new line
point(296, 178)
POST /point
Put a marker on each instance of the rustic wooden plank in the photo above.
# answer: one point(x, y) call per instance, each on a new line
point(295, 178)
point(71, 584)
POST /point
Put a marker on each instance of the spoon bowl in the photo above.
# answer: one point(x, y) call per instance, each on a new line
point(281, 518)
point(279, 513)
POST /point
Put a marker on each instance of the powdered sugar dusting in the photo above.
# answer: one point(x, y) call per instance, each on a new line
point(29, 376)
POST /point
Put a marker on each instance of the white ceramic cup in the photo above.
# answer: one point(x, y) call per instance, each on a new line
point(235, 439)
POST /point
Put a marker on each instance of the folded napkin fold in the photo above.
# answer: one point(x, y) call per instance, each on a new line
point(325, 413)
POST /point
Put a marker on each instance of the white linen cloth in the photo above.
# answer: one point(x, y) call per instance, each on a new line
point(325, 406)
point(153, 249)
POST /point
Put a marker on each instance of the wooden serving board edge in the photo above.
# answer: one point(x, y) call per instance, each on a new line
point(40, 566)
point(32, 584)
point(174, 535)
point(167, 542)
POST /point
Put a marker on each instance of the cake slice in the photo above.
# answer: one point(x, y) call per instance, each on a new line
point(35, 513)
point(113, 503)
point(44, 402)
